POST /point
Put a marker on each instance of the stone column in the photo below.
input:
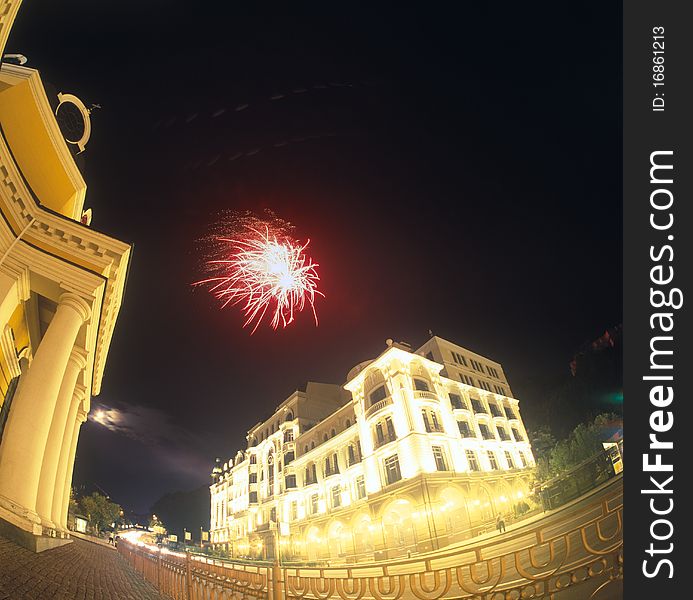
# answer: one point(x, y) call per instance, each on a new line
point(24, 441)
point(47, 482)
point(67, 484)
point(66, 444)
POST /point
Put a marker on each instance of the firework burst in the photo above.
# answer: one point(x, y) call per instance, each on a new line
point(261, 267)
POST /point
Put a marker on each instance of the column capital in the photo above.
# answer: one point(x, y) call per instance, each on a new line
point(78, 356)
point(81, 415)
point(79, 393)
point(77, 303)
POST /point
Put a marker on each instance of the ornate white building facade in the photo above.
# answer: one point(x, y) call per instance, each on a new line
point(417, 450)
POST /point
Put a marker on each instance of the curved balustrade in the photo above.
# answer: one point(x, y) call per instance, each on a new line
point(423, 395)
point(378, 406)
point(573, 553)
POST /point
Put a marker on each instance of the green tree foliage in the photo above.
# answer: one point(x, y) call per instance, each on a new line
point(583, 442)
point(100, 511)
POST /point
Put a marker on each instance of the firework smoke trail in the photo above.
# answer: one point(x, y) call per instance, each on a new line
point(261, 266)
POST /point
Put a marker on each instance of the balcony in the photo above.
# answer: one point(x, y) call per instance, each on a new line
point(371, 410)
point(423, 395)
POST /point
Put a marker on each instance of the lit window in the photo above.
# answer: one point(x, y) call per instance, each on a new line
point(465, 429)
point(495, 411)
point(456, 401)
point(472, 460)
point(492, 459)
point(336, 497)
point(378, 395)
point(439, 457)
point(421, 385)
point(392, 472)
point(360, 487)
point(486, 432)
point(503, 433)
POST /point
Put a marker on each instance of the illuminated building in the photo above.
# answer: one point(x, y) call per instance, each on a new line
point(417, 450)
point(61, 285)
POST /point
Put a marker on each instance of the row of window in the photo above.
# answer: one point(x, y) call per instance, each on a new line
point(467, 432)
point(473, 461)
point(458, 402)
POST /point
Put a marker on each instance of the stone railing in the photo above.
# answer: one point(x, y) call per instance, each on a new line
point(572, 553)
point(379, 405)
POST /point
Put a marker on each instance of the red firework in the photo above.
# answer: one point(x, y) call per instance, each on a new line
point(264, 271)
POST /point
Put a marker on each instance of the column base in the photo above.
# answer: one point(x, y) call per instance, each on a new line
point(24, 528)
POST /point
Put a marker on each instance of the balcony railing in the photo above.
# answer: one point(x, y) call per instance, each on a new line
point(378, 406)
point(423, 395)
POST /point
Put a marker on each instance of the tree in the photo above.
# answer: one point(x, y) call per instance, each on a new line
point(100, 511)
point(584, 442)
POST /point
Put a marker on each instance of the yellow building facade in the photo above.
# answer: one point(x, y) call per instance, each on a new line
point(61, 286)
point(419, 449)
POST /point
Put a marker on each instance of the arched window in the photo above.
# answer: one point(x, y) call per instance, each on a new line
point(324, 438)
point(312, 444)
point(421, 385)
point(348, 423)
point(333, 432)
point(289, 416)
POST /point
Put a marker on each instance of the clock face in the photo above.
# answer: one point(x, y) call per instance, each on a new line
point(71, 122)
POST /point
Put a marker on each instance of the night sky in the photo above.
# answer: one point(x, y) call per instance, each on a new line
point(454, 171)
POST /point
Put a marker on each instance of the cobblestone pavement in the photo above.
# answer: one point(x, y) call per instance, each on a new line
point(79, 571)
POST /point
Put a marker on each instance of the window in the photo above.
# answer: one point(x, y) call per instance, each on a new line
point(333, 433)
point(312, 444)
point(486, 432)
point(252, 497)
point(289, 457)
point(509, 413)
point(289, 416)
point(314, 504)
point(429, 355)
point(360, 487)
point(348, 424)
point(324, 438)
point(509, 460)
point(288, 435)
point(392, 472)
point(478, 406)
point(472, 460)
point(384, 432)
point(354, 454)
point(439, 457)
point(336, 497)
point(465, 429)
point(459, 359)
point(495, 411)
point(311, 474)
point(294, 510)
point(492, 459)
point(421, 385)
point(253, 459)
point(431, 420)
point(378, 395)
point(517, 435)
point(503, 433)
point(523, 460)
point(273, 514)
point(290, 481)
point(305, 450)
point(456, 401)
point(252, 478)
